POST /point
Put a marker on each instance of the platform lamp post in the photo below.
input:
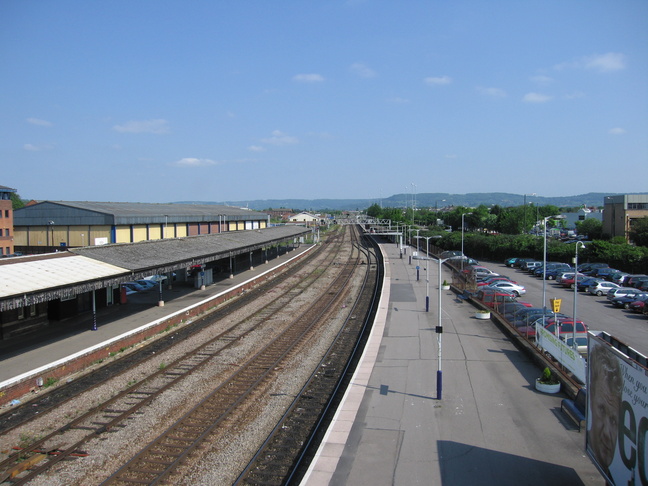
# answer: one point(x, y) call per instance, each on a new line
point(427, 265)
point(439, 332)
point(578, 243)
point(462, 240)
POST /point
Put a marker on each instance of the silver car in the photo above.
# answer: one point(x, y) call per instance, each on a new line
point(602, 287)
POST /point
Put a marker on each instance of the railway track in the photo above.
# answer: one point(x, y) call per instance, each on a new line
point(160, 459)
point(285, 455)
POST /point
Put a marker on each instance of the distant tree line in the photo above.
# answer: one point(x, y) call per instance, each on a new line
point(497, 233)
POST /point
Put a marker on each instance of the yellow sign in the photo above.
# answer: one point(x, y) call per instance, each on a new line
point(555, 304)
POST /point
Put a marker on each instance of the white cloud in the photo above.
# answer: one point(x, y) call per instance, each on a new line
point(308, 78)
point(194, 162)
point(157, 126)
point(616, 131)
point(603, 63)
point(362, 70)
point(39, 122)
point(574, 95)
point(537, 98)
point(37, 148)
point(494, 92)
point(542, 80)
point(256, 148)
point(611, 61)
point(279, 138)
point(438, 81)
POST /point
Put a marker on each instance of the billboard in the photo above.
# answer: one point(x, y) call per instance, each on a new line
point(617, 418)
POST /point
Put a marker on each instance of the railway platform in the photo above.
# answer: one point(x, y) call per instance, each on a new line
point(20, 357)
point(489, 427)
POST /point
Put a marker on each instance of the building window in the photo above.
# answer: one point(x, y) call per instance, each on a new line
point(7, 232)
point(6, 213)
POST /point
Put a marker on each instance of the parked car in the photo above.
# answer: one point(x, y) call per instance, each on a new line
point(130, 288)
point(567, 279)
point(512, 287)
point(492, 297)
point(602, 272)
point(601, 287)
point(530, 265)
point(554, 271)
point(147, 284)
point(520, 261)
point(588, 267)
point(625, 302)
point(622, 292)
point(635, 280)
point(135, 286)
point(565, 326)
point(581, 342)
point(584, 284)
point(509, 262)
point(617, 277)
point(638, 306)
point(488, 280)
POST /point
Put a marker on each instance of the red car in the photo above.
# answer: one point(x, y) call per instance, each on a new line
point(569, 282)
point(566, 327)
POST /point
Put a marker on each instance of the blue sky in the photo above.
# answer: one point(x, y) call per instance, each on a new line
point(159, 101)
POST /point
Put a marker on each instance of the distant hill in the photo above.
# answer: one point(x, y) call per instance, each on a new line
point(423, 200)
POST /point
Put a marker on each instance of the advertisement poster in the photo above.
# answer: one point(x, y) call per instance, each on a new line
point(617, 418)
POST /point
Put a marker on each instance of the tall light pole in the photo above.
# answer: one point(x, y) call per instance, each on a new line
point(462, 240)
point(413, 200)
point(544, 270)
point(439, 331)
point(578, 243)
point(427, 279)
point(525, 210)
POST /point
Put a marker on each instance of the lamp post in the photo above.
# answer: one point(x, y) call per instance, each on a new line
point(578, 243)
point(462, 239)
point(439, 331)
point(544, 270)
point(427, 279)
point(525, 209)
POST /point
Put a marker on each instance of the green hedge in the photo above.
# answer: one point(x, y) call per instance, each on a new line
point(628, 258)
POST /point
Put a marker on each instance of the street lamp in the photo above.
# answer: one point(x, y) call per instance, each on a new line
point(427, 279)
point(462, 239)
point(525, 209)
point(578, 243)
point(439, 331)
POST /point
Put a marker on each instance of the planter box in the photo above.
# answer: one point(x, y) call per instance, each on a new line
point(546, 388)
point(482, 315)
point(445, 287)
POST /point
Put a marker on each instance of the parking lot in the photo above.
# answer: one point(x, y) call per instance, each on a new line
point(596, 312)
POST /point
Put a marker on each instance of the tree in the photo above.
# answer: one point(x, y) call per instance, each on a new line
point(592, 228)
point(375, 211)
point(16, 201)
point(639, 232)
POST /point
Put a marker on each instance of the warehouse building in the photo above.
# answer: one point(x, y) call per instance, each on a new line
point(46, 226)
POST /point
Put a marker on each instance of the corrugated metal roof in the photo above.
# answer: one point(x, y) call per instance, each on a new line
point(32, 279)
point(178, 251)
point(128, 213)
point(34, 275)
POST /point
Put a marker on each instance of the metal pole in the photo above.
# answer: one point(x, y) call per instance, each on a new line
point(94, 311)
point(439, 331)
point(575, 291)
point(544, 272)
